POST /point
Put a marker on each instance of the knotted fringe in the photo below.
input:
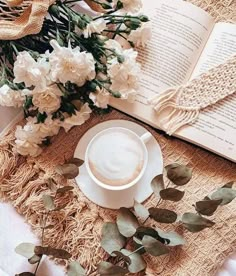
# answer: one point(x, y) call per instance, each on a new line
point(175, 116)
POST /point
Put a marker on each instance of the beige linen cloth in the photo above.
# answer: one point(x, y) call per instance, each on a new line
point(78, 226)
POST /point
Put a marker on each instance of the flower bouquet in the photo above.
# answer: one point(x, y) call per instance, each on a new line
point(71, 67)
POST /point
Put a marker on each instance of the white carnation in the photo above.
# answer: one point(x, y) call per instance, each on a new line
point(100, 98)
point(125, 76)
point(26, 148)
point(95, 26)
point(48, 100)
point(113, 45)
point(78, 119)
point(9, 97)
point(69, 64)
point(141, 36)
point(31, 72)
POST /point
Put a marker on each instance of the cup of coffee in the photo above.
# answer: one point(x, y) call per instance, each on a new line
point(116, 158)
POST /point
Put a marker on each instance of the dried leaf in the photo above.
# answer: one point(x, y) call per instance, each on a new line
point(59, 208)
point(49, 251)
point(26, 274)
point(171, 194)
point(25, 249)
point(179, 174)
point(171, 238)
point(112, 240)
point(69, 171)
point(127, 222)
point(76, 161)
point(50, 226)
point(207, 207)
point(140, 210)
point(137, 245)
point(229, 185)
point(122, 256)
point(226, 194)
point(35, 259)
point(163, 215)
point(65, 189)
point(137, 262)
point(148, 231)
point(51, 184)
point(75, 269)
point(157, 184)
point(108, 269)
point(154, 247)
point(196, 223)
point(48, 202)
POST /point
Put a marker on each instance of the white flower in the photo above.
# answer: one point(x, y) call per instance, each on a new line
point(78, 119)
point(95, 26)
point(69, 64)
point(100, 98)
point(113, 45)
point(142, 35)
point(9, 97)
point(26, 148)
point(125, 76)
point(132, 5)
point(30, 133)
point(31, 72)
point(48, 100)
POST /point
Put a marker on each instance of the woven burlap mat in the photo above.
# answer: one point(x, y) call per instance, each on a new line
point(77, 228)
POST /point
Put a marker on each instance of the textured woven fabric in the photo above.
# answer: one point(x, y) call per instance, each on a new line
point(186, 102)
point(77, 228)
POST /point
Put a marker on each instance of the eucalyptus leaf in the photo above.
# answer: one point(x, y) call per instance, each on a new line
point(157, 184)
point(51, 184)
point(137, 262)
point(148, 231)
point(75, 269)
point(69, 171)
point(122, 256)
point(195, 223)
point(65, 189)
point(54, 252)
point(111, 240)
point(61, 207)
point(226, 194)
point(140, 210)
point(179, 174)
point(171, 238)
point(26, 274)
point(207, 207)
point(154, 247)
point(35, 259)
point(127, 222)
point(76, 161)
point(171, 194)
point(138, 245)
point(48, 202)
point(163, 215)
point(108, 269)
point(229, 185)
point(25, 249)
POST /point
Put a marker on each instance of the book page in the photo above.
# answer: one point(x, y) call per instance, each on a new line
point(216, 126)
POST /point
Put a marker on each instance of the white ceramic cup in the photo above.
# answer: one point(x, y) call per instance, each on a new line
point(142, 141)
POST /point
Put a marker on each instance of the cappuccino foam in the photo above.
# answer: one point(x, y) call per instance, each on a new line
point(116, 157)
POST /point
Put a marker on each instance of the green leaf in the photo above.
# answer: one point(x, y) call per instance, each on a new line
point(229, 185)
point(172, 238)
point(137, 262)
point(127, 222)
point(35, 259)
point(65, 189)
point(75, 269)
point(54, 252)
point(112, 240)
point(179, 174)
point(76, 161)
point(154, 247)
point(48, 202)
point(140, 210)
point(207, 207)
point(226, 194)
point(163, 215)
point(26, 274)
point(25, 249)
point(69, 171)
point(157, 184)
point(196, 223)
point(108, 269)
point(122, 256)
point(171, 194)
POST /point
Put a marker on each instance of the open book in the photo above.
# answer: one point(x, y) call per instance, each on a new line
point(186, 42)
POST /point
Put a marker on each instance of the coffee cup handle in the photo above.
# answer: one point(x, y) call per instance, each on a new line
point(146, 137)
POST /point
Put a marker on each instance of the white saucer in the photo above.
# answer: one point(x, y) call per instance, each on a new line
point(116, 199)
